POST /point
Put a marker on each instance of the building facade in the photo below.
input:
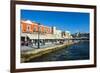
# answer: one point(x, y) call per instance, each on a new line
point(33, 33)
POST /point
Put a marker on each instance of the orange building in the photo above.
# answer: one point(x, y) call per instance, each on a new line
point(31, 27)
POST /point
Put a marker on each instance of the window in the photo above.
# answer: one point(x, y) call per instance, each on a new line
point(34, 29)
point(28, 28)
point(40, 29)
point(44, 30)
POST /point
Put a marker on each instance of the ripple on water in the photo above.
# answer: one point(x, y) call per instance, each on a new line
point(78, 51)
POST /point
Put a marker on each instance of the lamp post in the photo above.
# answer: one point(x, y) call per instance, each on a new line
point(38, 35)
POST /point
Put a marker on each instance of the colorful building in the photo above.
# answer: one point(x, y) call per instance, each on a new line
point(32, 27)
point(32, 31)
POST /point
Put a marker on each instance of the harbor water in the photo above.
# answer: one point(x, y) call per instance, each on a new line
point(78, 51)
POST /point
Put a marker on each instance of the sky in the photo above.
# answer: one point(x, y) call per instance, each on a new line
point(65, 21)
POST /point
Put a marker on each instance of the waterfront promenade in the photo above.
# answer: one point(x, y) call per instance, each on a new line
point(27, 54)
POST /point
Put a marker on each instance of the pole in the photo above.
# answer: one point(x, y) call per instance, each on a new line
point(38, 35)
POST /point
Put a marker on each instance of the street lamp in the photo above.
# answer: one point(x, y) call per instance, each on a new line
point(38, 35)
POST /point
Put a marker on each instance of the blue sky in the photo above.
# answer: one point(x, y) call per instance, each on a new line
point(65, 21)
